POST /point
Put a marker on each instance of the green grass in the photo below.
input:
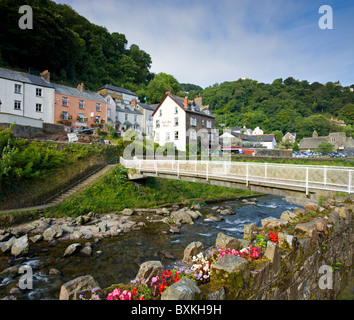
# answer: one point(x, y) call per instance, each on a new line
point(114, 192)
point(344, 162)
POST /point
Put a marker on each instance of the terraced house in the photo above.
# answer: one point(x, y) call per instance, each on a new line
point(77, 108)
point(180, 121)
point(25, 98)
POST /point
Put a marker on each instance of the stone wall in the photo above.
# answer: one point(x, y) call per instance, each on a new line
point(275, 153)
point(312, 261)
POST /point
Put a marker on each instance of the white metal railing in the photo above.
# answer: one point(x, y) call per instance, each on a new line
point(330, 178)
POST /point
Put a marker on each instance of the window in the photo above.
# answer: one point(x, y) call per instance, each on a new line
point(126, 117)
point(203, 123)
point(160, 113)
point(38, 92)
point(167, 136)
point(193, 135)
point(18, 88)
point(65, 101)
point(81, 117)
point(176, 121)
point(64, 115)
point(176, 135)
point(157, 123)
point(150, 118)
point(135, 118)
point(98, 119)
point(17, 105)
point(81, 104)
point(208, 124)
point(98, 107)
point(194, 122)
point(176, 110)
point(38, 107)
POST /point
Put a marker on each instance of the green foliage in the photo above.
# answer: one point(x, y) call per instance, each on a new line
point(73, 49)
point(159, 85)
point(286, 106)
point(348, 112)
point(23, 160)
point(325, 147)
point(114, 192)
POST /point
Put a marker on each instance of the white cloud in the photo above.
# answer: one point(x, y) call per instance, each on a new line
point(204, 42)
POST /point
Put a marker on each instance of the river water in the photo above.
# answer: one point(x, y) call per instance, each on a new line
point(121, 256)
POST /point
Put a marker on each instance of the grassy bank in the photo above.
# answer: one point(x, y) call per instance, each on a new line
point(33, 171)
point(114, 192)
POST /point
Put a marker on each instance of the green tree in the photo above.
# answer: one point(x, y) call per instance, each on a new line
point(157, 87)
point(325, 147)
point(348, 112)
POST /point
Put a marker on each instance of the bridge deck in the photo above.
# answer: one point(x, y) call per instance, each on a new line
point(282, 176)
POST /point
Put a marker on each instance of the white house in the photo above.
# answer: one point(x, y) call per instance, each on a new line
point(26, 95)
point(147, 111)
point(180, 121)
point(122, 114)
point(257, 131)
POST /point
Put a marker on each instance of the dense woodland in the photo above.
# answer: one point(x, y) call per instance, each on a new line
point(285, 105)
point(75, 50)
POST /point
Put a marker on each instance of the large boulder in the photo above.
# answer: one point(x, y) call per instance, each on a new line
point(20, 246)
point(288, 216)
point(181, 216)
point(6, 246)
point(149, 269)
point(127, 212)
point(52, 233)
point(83, 285)
point(192, 250)
point(224, 241)
point(273, 223)
point(184, 289)
point(248, 231)
point(70, 250)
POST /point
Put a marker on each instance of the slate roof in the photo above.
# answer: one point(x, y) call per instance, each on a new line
point(254, 138)
point(74, 92)
point(180, 102)
point(147, 106)
point(24, 78)
point(114, 88)
point(128, 110)
point(311, 143)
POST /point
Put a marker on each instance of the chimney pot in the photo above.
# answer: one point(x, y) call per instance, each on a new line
point(46, 75)
point(186, 102)
point(168, 92)
point(133, 103)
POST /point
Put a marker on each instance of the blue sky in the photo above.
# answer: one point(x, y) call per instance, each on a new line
point(212, 41)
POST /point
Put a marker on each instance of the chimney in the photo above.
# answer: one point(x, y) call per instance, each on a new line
point(168, 92)
point(186, 102)
point(81, 87)
point(198, 101)
point(133, 103)
point(46, 75)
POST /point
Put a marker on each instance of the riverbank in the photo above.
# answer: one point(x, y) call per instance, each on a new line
point(110, 255)
point(113, 193)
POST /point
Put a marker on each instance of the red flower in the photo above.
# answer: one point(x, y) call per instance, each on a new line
point(273, 236)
